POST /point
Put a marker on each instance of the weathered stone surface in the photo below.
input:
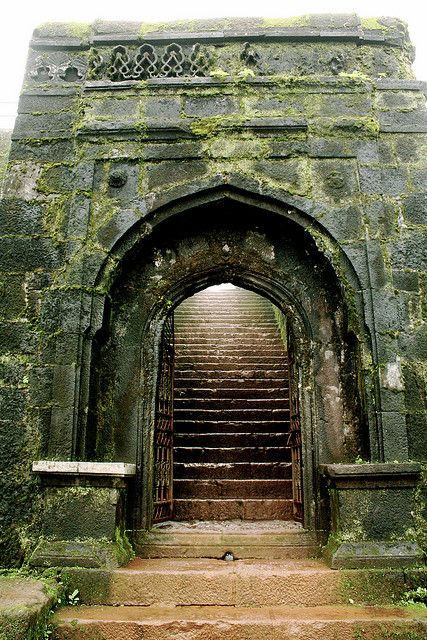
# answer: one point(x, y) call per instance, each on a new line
point(27, 254)
point(416, 208)
point(5, 140)
point(25, 605)
point(286, 156)
point(233, 623)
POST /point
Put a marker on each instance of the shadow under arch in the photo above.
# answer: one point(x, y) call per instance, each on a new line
point(238, 189)
point(274, 256)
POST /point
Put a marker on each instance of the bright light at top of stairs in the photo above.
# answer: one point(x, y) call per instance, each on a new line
point(222, 286)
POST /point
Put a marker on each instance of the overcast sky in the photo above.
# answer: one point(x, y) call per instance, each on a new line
point(22, 16)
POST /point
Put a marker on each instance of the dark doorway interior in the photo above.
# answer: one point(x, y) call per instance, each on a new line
point(227, 443)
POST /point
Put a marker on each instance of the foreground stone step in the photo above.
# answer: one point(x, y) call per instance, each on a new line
point(225, 488)
point(236, 470)
point(202, 581)
point(238, 623)
point(210, 539)
point(233, 509)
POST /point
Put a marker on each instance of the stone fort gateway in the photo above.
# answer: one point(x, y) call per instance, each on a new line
point(213, 346)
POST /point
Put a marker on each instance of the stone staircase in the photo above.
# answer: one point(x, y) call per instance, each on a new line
point(201, 599)
point(231, 409)
point(233, 493)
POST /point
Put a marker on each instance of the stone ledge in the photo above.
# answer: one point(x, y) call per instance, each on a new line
point(372, 475)
point(348, 27)
point(61, 467)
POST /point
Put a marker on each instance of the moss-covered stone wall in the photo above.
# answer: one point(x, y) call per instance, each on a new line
point(121, 124)
point(4, 154)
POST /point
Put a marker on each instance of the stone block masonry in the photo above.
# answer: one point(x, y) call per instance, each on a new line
point(140, 152)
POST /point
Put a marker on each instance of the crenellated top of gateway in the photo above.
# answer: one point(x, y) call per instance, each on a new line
point(306, 46)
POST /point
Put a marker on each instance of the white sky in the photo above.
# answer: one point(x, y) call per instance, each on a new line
point(22, 16)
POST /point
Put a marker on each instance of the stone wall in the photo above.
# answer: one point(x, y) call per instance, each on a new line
point(4, 154)
point(118, 123)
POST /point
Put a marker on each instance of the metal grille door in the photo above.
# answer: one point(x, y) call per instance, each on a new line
point(295, 439)
point(163, 431)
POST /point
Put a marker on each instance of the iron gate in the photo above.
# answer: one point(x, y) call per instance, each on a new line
point(163, 428)
point(295, 439)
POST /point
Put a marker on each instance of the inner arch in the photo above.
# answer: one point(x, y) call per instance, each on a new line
point(232, 455)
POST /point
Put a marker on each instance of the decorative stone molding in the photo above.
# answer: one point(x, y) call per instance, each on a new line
point(117, 52)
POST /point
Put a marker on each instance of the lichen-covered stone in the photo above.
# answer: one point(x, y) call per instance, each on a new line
point(298, 145)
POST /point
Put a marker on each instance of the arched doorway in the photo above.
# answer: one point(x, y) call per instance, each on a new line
point(227, 426)
point(260, 251)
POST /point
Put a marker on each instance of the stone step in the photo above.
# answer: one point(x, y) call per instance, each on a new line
point(221, 393)
point(236, 360)
point(218, 489)
point(230, 439)
point(232, 454)
point(229, 342)
point(258, 379)
point(274, 539)
point(238, 376)
point(217, 329)
point(242, 317)
point(243, 582)
point(230, 404)
point(229, 426)
point(220, 331)
point(236, 623)
point(259, 350)
point(236, 470)
point(222, 369)
point(232, 414)
point(233, 509)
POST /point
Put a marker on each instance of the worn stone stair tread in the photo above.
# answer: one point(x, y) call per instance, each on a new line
point(234, 623)
point(233, 488)
point(219, 390)
point(220, 470)
point(231, 375)
point(232, 454)
point(245, 508)
point(230, 439)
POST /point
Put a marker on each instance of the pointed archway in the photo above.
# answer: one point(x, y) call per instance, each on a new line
point(263, 253)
